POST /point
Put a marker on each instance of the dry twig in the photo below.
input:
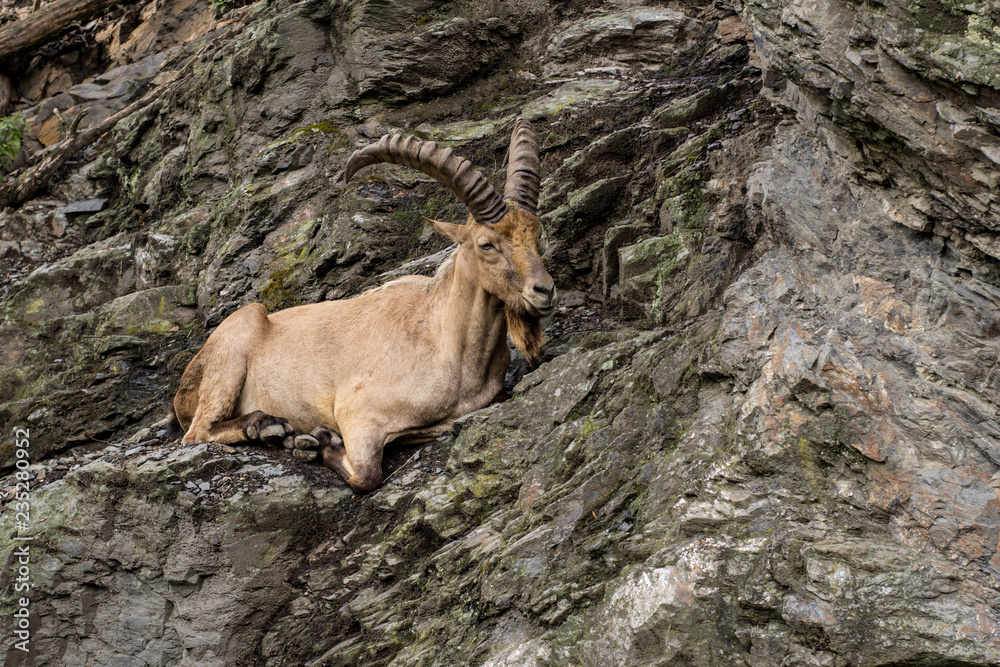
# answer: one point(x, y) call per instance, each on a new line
point(35, 178)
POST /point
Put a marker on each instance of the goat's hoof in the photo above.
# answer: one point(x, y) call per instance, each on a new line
point(305, 454)
point(262, 426)
point(289, 442)
point(325, 436)
point(304, 441)
point(272, 432)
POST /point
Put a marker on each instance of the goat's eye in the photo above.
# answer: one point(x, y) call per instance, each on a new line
point(486, 246)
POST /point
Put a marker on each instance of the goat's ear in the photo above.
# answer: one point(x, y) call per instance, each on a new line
point(457, 233)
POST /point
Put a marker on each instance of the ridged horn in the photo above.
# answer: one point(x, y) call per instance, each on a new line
point(450, 170)
point(523, 167)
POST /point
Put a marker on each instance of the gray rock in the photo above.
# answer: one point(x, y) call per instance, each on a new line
point(9, 249)
point(892, 97)
point(642, 35)
point(92, 91)
point(88, 206)
point(785, 452)
point(573, 93)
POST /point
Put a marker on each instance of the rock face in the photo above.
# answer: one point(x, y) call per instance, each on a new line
point(765, 430)
point(910, 95)
point(172, 575)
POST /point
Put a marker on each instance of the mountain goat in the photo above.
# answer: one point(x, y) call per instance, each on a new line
point(397, 363)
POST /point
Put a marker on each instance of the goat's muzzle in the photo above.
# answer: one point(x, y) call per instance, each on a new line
point(540, 297)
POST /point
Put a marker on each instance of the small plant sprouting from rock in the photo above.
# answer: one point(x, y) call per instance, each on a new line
point(221, 6)
point(12, 129)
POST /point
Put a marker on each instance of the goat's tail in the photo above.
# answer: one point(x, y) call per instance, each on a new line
point(174, 430)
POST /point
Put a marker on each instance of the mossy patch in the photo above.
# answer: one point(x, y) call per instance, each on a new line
point(571, 94)
point(686, 202)
point(154, 311)
point(194, 240)
point(982, 30)
point(467, 130)
point(325, 129)
point(648, 269)
point(279, 290)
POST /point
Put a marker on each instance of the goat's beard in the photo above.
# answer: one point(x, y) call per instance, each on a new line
point(525, 330)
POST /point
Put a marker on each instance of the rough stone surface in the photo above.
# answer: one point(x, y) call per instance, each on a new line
point(909, 94)
point(652, 37)
point(764, 431)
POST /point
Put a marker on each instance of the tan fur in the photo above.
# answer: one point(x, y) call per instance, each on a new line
point(400, 362)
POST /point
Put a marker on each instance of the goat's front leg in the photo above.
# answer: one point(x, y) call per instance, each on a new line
point(254, 426)
point(359, 461)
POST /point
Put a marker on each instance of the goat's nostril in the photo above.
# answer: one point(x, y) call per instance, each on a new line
point(543, 289)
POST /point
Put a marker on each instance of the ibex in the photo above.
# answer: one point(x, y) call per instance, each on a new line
point(397, 363)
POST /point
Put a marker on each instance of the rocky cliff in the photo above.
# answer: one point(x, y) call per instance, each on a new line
point(765, 429)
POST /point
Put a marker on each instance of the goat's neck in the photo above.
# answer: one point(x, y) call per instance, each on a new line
point(474, 321)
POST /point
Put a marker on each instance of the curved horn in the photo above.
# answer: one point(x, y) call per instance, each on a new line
point(453, 172)
point(523, 167)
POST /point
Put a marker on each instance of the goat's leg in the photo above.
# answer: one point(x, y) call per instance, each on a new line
point(358, 459)
point(306, 446)
point(221, 384)
point(215, 379)
point(255, 426)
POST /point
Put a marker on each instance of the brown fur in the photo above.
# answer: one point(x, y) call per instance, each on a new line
point(525, 332)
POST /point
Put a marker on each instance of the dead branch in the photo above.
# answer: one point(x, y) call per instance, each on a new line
point(6, 94)
point(45, 23)
point(35, 178)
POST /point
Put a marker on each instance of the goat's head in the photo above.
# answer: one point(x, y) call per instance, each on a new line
point(501, 236)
